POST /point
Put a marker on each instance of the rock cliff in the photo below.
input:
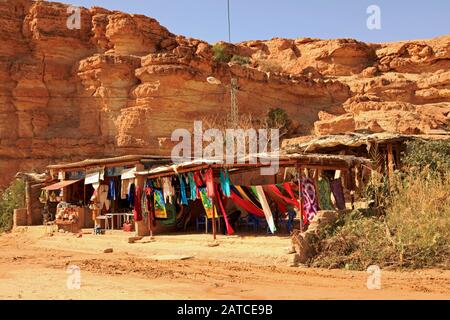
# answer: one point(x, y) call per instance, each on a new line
point(122, 83)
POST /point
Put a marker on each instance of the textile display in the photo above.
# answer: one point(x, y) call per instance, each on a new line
point(160, 205)
point(209, 180)
point(125, 187)
point(192, 187)
point(207, 203)
point(338, 193)
point(310, 204)
point(225, 183)
point(112, 195)
point(184, 200)
point(168, 190)
point(247, 205)
point(266, 208)
point(325, 195)
point(230, 230)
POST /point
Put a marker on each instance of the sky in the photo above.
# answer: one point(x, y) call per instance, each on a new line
point(266, 19)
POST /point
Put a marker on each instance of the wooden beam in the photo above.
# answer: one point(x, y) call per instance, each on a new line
point(28, 199)
point(390, 156)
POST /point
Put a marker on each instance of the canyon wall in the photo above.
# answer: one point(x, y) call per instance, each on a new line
point(122, 83)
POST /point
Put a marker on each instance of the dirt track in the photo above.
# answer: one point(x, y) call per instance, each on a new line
point(33, 266)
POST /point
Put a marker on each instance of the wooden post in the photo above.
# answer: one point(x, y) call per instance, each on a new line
point(214, 220)
point(390, 157)
point(140, 226)
point(316, 180)
point(299, 173)
point(213, 213)
point(28, 203)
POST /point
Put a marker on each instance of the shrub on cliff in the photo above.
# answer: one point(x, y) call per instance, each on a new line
point(435, 155)
point(220, 53)
point(278, 118)
point(240, 60)
point(13, 197)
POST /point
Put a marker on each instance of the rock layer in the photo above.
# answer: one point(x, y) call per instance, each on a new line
point(122, 83)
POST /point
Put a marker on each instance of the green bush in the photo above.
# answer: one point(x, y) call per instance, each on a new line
point(11, 198)
point(240, 60)
point(432, 154)
point(414, 231)
point(278, 118)
point(221, 54)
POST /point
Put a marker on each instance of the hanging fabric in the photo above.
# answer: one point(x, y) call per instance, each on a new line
point(112, 195)
point(168, 190)
point(131, 191)
point(325, 195)
point(160, 205)
point(144, 205)
point(225, 182)
point(278, 200)
point(245, 204)
point(137, 210)
point(266, 209)
point(102, 196)
point(248, 196)
point(288, 188)
point(209, 180)
point(198, 182)
point(230, 230)
point(207, 204)
point(338, 193)
point(171, 215)
point(310, 204)
point(125, 187)
point(93, 177)
point(277, 193)
point(149, 203)
point(192, 186)
point(184, 200)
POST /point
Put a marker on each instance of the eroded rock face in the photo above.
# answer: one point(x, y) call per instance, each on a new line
point(122, 83)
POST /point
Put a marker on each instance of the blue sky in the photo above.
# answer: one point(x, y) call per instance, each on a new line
point(265, 19)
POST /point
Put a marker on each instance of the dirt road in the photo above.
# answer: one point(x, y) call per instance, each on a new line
point(34, 266)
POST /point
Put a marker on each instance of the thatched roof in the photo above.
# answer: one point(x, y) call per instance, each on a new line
point(353, 140)
point(326, 161)
point(116, 161)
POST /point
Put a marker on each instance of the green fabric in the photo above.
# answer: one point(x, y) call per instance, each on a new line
point(171, 215)
point(325, 195)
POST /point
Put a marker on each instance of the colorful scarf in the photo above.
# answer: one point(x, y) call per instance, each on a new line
point(225, 183)
point(310, 204)
point(184, 200)
point(325, 195)
point(338, 193)
point(160, 205)
point(207, 203)
point(230, 230)
point(266, 208)
point(209, 179)
point(245, 204)
point(192, 187)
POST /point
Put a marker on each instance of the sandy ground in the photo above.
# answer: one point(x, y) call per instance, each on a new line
point(34, 265)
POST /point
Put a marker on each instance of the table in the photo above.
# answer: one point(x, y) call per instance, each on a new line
point(122, 217)
point(106, 218)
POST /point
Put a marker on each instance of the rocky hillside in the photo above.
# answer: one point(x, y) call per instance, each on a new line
point(122, 83)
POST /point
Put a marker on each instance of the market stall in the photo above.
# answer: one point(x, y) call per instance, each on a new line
point(169, 194)
point(95, 193)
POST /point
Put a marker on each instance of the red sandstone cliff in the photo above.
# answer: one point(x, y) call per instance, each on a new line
point(122, 83)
